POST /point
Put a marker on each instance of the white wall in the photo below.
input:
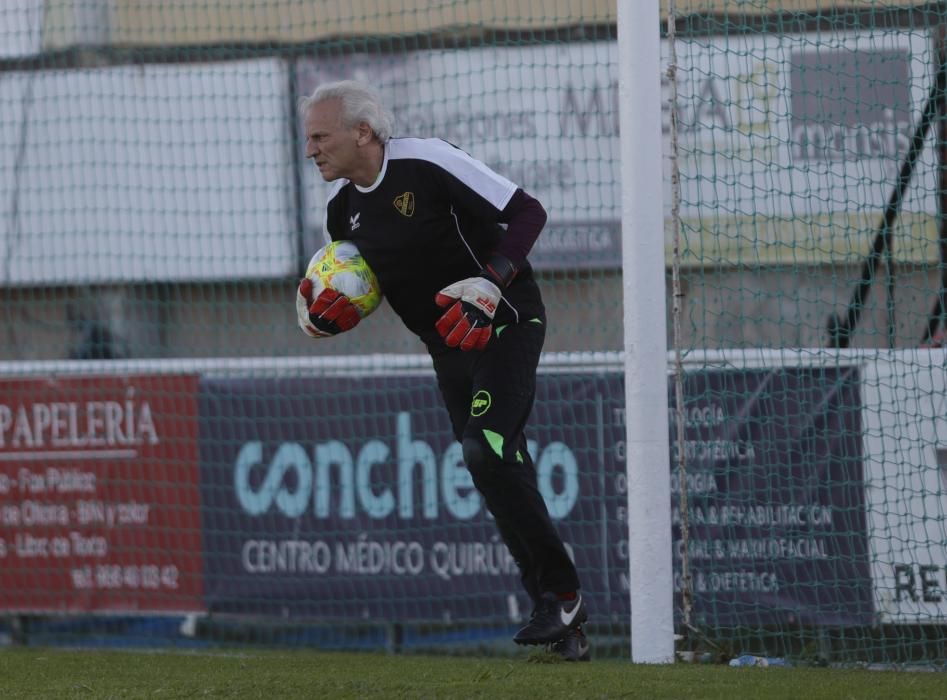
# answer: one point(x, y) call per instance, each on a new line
point(157, 172)
point(21, 30)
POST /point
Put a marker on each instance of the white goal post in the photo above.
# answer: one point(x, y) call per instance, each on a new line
point(645, 334)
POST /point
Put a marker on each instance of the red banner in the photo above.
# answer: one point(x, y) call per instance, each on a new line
point(99, 494)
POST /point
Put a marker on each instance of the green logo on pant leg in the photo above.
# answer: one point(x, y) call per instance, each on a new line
point(481, 403)
point(495, 440)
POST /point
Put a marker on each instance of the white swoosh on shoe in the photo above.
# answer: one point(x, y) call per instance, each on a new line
point(567, 618)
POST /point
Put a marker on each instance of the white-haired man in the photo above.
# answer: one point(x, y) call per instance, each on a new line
point(447, 238)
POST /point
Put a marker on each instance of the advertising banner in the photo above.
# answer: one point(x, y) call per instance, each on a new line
point(99, 499)
point(775, 497)
point(348, 498)
point(906, 449)
point(784, 140)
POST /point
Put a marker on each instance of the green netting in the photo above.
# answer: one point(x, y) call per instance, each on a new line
point(808, 150)
point(177, 461)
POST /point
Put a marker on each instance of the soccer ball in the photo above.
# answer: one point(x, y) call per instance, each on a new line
point(341, 267)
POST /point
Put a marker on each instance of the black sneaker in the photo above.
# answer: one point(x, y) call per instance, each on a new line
point(573, 647)
point(552, 620)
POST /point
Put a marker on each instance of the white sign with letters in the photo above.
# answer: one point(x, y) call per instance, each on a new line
point(905, 434)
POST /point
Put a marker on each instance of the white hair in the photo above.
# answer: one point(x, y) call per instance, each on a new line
point(360, 103)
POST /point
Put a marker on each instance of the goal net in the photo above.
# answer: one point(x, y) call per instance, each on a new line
point(177, 459)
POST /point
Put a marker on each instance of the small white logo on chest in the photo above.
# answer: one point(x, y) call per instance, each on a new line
point(353, 221)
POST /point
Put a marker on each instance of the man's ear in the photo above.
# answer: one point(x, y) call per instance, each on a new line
point(365, 134)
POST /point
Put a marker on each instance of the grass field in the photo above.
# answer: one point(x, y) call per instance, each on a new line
point(274, 675)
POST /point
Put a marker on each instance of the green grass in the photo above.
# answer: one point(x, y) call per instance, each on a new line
point(274, 675)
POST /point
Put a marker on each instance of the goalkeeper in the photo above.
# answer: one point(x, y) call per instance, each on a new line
point(447, 239)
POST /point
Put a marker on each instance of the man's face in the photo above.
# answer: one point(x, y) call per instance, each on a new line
point(332, 146)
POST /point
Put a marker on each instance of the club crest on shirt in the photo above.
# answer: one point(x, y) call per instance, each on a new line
point(404, 203)
point(353, 221)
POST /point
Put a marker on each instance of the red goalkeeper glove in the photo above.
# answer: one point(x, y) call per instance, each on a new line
point(471, 304)
point(330, 313)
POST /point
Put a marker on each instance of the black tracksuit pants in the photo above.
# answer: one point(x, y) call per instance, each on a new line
point(489, 396)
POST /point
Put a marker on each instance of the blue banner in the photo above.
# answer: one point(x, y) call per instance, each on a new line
point(775, 497)
point(347, 498)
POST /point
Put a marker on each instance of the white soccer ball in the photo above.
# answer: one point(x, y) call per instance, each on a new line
point(340, 266)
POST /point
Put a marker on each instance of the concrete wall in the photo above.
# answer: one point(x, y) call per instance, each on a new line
point(729, 308)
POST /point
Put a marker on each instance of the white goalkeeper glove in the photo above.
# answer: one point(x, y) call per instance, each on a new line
point(471, 305)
